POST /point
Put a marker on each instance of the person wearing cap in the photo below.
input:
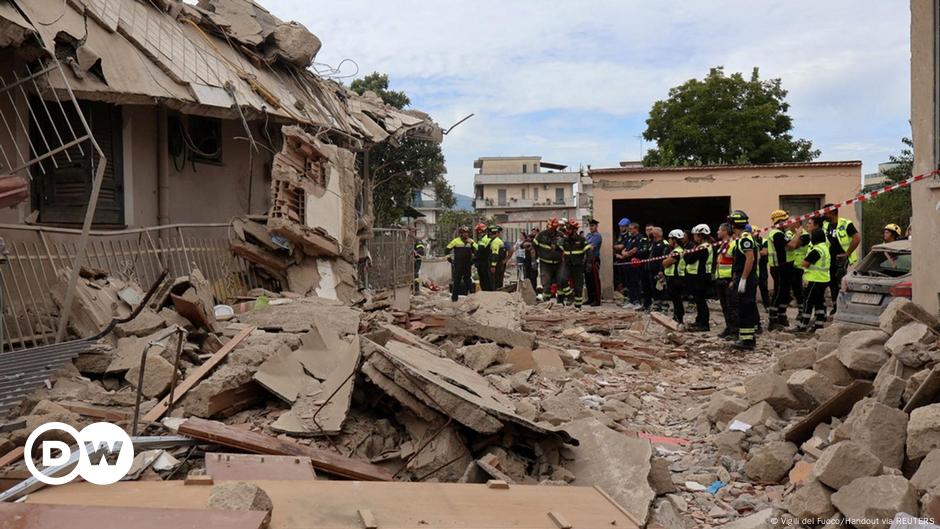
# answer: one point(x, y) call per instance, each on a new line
point(483, 257)
point(780, 262)
point(698, 276)
point(844, 238)
point(546, 244)
point(620, 264)
point(674, 272)
point(727, 296)
point(497, 257)
point(816, 264)
point(592, 269)
point(575, 249)
point(892, 232)
point(460, 253)
point(744, 281)
point(634, 283)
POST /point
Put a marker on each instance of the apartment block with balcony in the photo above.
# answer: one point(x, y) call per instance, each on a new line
point(524, 191)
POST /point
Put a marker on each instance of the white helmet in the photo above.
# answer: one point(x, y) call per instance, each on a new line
point(702, 229)
point(676, 234)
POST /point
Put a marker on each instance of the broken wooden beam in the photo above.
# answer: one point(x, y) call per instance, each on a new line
point(259, 443)
point(838, 405)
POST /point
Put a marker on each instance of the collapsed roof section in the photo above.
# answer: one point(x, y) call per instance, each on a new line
point(223, 59)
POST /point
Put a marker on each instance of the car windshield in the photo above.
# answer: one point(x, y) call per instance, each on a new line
point(886, 264)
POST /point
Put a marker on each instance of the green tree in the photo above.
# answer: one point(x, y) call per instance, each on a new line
point(724, 120)
point(400, 172)
point(449, 221)
point(893, 207)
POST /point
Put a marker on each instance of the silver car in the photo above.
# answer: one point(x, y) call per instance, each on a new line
point(882, 275)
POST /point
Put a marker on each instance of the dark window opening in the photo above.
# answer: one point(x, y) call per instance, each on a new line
point(800, 204)
point(61, 190)
point(673, 213)
point(194, 139)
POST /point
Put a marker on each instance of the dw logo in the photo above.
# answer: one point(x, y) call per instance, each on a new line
point(95, 442)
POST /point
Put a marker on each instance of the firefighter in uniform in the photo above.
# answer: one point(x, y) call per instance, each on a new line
point(797, 249)
point(483, 258)
point(576, 251)
point(460, 253)
point(744, 281)
point(420, 250)
point(818, 269)
point(698, 275)
point(497, 257)
point(726, 294)
point(546, 245)
point(674, 271)
point(781, 271)
point(844, 238)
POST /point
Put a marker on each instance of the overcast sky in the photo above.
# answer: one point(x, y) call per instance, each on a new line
point(573, 81)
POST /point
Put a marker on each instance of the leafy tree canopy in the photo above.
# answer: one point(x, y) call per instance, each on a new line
point(400, 172)
point(724, 120)
point(894, 207)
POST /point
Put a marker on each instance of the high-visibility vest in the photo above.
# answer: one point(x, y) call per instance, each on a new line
point(677, 268)
point(818, 272)
point(845, 240)
point(725, 261)
point(692, 268)
point(772, 258)
point(796, 255)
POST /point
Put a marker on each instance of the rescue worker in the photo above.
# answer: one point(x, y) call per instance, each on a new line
point(498, 255)
point(634, 285)
point(727, 297)
point(575, 249)
point(674, 271)
point(643, 253)
point(531, 259)
point(460, 253)
point(817, 266)
point(419, 251)
point(546, 245)
point(892, 232)
point(483, 257)
point(698, 266)
point(763, 276)
point(844, 238)
point(592, 270)
point(654, 268)
point(781, 264)
point(796, 251)
point(744, 281)
point(620, 264)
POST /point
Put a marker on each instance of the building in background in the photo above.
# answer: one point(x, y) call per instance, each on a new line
point(681, 197)
point(925, 195)
point(426, 203)
point(524, 191)
point(880, 178)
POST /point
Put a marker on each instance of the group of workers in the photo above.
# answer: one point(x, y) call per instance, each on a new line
point(654, 269)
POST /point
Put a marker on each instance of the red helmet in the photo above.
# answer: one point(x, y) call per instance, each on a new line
point(552, 223)
point(480, 227)
point(573, 225)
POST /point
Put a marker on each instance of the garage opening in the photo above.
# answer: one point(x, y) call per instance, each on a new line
point(672, 213)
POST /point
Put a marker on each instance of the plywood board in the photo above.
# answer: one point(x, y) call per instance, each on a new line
point(40, 516)
point(241, 467)
point(337, 504)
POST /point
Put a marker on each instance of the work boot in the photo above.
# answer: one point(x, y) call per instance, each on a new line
point(725, 333)
point(744, 345)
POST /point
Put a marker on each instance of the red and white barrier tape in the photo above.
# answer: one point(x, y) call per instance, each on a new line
point(858, 198)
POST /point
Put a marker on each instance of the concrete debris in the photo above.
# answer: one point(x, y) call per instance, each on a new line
point(811, 502)
point(482, 355)
point(158, 373)
point(875, 500)
point(923, 431)
point(810, 387)
point(902, 311)
point(879, 428)
point(772, 388)
point(800, 358)
point(862, 352)
point(241, 496)
point(832, 368)
point(907, 344)
point(725, 406)
point(843, 462)
point(757, 414)
point(759, 520)
point(928, 473)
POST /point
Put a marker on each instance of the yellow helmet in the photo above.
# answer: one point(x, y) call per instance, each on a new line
point(778, 214)
point(895, 228)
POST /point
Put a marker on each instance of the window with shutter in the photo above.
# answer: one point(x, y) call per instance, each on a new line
point(61, 190)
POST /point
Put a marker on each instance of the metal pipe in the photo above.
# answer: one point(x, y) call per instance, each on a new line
point(180, 337)
point(163, 169)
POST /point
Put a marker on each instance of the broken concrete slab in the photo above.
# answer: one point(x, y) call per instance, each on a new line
point(723, 406)
point(832, 368)
point(770, 462)
point(128, 351)
point(874, 501)
point(901, 311)
point(906, 344)
point(877, 427)
point(811, 388)
point(844, 462)
point(923, 431)
point(480, 356)
point(799, 358)
point(928, 473)
point(445, 455)
point(208, 398)
point(324, 410)
point(771, 387)
point(158, 374)
point(563, 407)
point(757, 414)
point(627, 481)
point(862, 352)
point(812, 501)
point(282, 374)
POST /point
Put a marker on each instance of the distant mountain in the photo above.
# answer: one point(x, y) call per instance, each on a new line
point(464, 202)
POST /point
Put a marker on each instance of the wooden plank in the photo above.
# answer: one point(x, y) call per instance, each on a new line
point(258, 443)
point(244, 467)
point(97, 412)
point(664, 320)
point(154, 414)
point(11, 456)
point(838, 405)
point(199, 479)
point(40, 516)
point(927, 391)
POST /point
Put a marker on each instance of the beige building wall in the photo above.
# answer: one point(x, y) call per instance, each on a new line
point(755, 189)
point(509, 165)
point(925, 195)
point(491, 191)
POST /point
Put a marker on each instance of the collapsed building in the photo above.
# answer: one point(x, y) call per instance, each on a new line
point(201, 114)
